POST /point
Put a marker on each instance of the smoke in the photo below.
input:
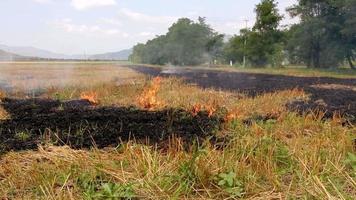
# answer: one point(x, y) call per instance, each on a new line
point(37, 78)
point(33, 78)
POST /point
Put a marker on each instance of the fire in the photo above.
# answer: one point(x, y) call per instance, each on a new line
point(233, 114)
point(148, 98)
point(230, 117)
point(211, 110)
point(198, 107)
point(2, 95)
point(92, 97)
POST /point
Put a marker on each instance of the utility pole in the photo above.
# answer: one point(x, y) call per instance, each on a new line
point(245, 43)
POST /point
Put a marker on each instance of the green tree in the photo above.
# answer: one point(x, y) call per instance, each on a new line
point(349, 31)
point(137, 53)
point(234, 50)
point(262, 44)
point(325, 35)
point(186, 43)
point(215, 48)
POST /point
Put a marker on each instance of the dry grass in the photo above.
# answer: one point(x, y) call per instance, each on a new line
point(286, 157)
point(174, 93)
point(3, 113)
point(299, 71)
point(300, 160)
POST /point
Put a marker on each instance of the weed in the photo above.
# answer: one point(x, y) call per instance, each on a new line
point(351, 160)
point(22, 136)
point(96, 187)
point(230, 184)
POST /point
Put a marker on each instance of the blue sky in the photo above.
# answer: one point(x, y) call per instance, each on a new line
point(97, 26)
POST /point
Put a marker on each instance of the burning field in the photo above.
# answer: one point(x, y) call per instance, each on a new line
point(160, 137)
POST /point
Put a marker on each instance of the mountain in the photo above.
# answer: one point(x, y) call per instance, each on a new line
point(32, 52)
point(6, 56)
point(120, 55)
point(40, 53)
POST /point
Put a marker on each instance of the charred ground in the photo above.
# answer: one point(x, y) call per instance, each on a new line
point(80, 125)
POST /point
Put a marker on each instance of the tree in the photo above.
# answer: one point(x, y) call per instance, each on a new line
point(215, 48)
point(325, 35)
point(349, 31)
point(186, 43)
point(234, 49)
point(261, 45)
point(267, 17)
point(137, 53)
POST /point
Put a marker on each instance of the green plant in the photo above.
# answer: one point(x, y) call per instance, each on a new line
point(96, 190)
point(115, 191)
point(230, 184)
point(23, 136)
point(351, 160)
point(187, 175)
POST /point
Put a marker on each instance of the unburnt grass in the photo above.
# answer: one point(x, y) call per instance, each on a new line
point(271, 152)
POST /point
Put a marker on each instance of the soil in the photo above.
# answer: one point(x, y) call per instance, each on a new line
point(80, 125)
point(329, 95)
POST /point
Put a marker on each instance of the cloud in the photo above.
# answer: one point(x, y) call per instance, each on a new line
point(146, 34)
point(68, 26)
point(42, 1)
point(231, 27)
point(87, 4)
point(110, 21)
point(141, 17)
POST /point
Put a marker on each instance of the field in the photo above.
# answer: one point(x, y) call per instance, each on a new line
point(111, 131)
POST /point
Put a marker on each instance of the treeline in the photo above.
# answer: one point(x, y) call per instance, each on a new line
point(325, 37)
point(186, 43)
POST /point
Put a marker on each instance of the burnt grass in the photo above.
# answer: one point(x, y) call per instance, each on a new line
point(80, 125)
point(328, 99)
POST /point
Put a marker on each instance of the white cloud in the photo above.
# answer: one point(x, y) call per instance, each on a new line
point(42, 1)
point(68, 26)
point(110, 21)
point(146, 34)
point(87, 4)
point(231, 27)
point(141, 17)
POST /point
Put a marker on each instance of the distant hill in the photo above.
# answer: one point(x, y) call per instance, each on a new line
point(120, 55)
point(32, 52)
point(40, 53)
point(6, 56)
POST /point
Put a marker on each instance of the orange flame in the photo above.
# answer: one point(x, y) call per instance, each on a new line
point(148, 98)
point(92, 97)
point(230, 117)
point(211, 110)
point(198, 107)
point(2, 95)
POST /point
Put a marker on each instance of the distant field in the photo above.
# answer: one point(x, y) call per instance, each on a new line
point(29, 76)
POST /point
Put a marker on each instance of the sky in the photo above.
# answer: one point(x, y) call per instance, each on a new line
point(98, 26)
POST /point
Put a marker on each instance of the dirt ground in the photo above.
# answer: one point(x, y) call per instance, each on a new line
point(326, 94)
